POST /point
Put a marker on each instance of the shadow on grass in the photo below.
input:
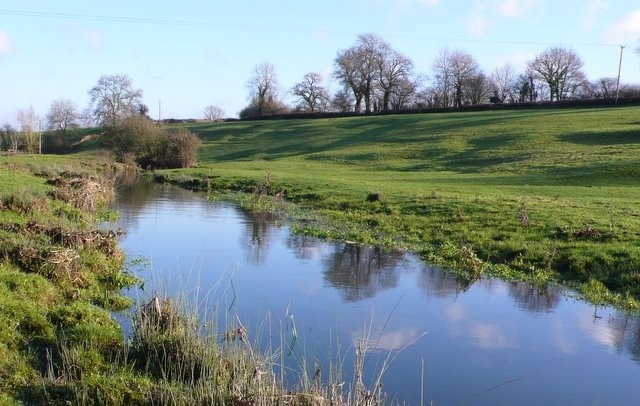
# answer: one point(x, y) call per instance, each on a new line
point(594, 174)
point(602, 138)
point(287, 138)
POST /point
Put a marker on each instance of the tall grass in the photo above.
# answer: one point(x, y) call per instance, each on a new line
point(171, 358)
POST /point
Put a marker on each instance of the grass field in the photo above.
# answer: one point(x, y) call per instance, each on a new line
point(536, 194)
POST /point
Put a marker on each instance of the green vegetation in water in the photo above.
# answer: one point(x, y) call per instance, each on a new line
point(540, 195)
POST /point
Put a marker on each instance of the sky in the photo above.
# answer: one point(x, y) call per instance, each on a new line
point(186, 55)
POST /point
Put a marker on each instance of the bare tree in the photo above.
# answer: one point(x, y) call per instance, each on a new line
point(312, 96)
point(403, 95)
point(28, 119)
point(503, 81)
point(464, 69)
point(113, 99)
point(630, 90)
point(604, 88)
point(477, 89)
point(349, 74)
point(442, 91)
point(560, 69)
point(395, 72)
point(213, 113)
point(343, 101)
point(427, 97)
point(453, 72)
point(371, 51)
point(263, 92)
point(62, 116)
point(358, 68)
point(372, 71)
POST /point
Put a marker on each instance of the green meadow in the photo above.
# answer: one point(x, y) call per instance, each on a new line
point(540, 194)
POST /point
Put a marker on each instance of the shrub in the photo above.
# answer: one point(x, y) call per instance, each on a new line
point(140, 140)
point(136, 136)
point(180, 149)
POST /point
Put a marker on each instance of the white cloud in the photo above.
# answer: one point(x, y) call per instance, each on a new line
point(625, 30)
point(602, 333)
point(5, 44)
point(478, 26)
point(517, 60)
point(515, 8)
point(564, 342)
point(322, 34)
point(95, 39)
point(455, 312)
point(592, 12)
point(490, 336)
point(391, 340)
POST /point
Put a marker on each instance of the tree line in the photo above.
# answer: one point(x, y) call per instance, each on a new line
point(127, 132)
point(374, 77)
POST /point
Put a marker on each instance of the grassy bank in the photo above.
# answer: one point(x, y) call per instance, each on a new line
point(59, 276)
point(540, 195)
point(61, 279)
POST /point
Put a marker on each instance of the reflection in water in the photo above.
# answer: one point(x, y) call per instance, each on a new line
point(623, 332)
point(535, 298)
point(255, 241)
point(434, 281)
point(303, 247)
point(360, 272)
point(479, 336)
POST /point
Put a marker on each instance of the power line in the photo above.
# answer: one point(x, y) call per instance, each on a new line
point(507, 42)
point(190, 23)
point(89, 17)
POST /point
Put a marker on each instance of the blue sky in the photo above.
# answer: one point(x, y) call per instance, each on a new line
point(193, 53)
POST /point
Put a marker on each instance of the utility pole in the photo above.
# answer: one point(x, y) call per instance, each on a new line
point(40, 137)
point(619, 68)
point(159, 109)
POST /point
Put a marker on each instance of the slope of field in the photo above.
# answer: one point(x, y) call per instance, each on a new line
point(548, 193)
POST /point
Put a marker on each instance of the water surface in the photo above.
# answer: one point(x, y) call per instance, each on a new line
point(493, 343)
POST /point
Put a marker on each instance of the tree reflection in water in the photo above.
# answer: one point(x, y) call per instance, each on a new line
point(626, 333)
point(434, 281)
point(535, 298)
point(303, 247)
point(255, 242)
point(360, 271)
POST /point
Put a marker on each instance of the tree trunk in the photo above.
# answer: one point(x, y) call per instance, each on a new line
point(385, 100)
point(358, 106)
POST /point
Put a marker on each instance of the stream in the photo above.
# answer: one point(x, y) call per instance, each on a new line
point(491, 343)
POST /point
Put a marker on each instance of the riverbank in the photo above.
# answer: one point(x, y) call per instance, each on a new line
point(60, 276)
point(540, 196)
point(61, 280)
